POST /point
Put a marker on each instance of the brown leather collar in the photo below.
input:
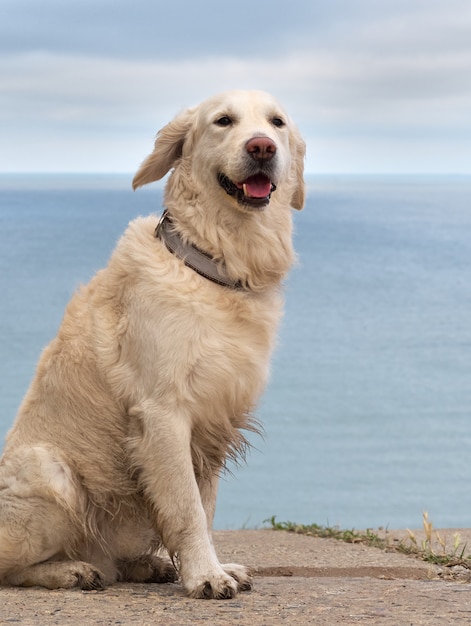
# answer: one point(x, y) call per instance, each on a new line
point(199, 261)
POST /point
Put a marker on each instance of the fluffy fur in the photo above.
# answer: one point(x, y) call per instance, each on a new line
point(139, 400)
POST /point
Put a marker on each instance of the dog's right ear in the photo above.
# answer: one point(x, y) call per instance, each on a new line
point(167, 150)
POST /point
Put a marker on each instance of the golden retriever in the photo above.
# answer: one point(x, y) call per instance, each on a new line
point(157, 367)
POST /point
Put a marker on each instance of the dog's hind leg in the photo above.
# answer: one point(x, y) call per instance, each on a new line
point(33, 534)
point(58, 575)
point(39, 523)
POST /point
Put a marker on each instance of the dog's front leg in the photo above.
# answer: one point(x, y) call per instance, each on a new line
point(208, 487)
point(167, 476)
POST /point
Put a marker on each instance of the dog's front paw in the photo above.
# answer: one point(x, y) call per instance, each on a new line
point(221, 585)
point(148, 569)
point(240, 574)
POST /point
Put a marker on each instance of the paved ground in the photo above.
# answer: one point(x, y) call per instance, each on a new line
point(298, 581)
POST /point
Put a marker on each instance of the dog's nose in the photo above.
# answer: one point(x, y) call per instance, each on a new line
point(261, 148)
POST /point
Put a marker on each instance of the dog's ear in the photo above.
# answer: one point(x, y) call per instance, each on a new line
point(168, 149)
point(298, 150)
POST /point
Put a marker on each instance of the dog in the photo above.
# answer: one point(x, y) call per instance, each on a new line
point(157, 367)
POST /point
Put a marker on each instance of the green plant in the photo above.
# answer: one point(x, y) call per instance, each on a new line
point(368, 537)
point(432, 548)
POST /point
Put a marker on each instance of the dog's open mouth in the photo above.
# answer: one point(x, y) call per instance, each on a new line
point(255, 191)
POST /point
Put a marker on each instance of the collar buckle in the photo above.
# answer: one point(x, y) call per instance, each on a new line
point(162, 219)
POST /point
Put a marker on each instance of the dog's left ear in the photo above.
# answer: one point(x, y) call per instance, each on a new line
point(168, 149)
point(298, 150)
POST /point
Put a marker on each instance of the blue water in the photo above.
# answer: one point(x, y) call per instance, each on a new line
point(368, 414)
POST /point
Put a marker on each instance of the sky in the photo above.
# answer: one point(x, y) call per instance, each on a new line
point(375, 86)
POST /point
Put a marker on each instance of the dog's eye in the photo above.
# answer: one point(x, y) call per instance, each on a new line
point(277, 121)
point(224, 120)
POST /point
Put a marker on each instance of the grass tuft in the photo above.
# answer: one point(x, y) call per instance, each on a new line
point(432, 548)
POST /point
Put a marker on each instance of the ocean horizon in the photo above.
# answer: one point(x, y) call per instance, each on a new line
point(367, 417)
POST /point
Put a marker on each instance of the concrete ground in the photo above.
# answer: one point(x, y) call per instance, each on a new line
point(298, 580)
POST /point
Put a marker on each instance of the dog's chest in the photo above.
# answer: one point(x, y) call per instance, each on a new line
point(234, 351)
point(209, 352)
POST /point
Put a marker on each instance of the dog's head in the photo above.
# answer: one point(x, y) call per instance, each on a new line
point(241, 142)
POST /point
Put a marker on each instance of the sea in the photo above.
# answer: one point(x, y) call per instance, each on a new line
point(367, 417)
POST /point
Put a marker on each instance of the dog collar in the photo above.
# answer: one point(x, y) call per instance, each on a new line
point(199, 261)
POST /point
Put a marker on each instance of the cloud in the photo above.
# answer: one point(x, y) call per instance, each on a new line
point(356, 82)
point(155, 29)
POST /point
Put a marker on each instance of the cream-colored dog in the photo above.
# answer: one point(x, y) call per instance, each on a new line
point(158, 365)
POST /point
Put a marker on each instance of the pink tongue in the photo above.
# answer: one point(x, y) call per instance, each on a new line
point(258, 186)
